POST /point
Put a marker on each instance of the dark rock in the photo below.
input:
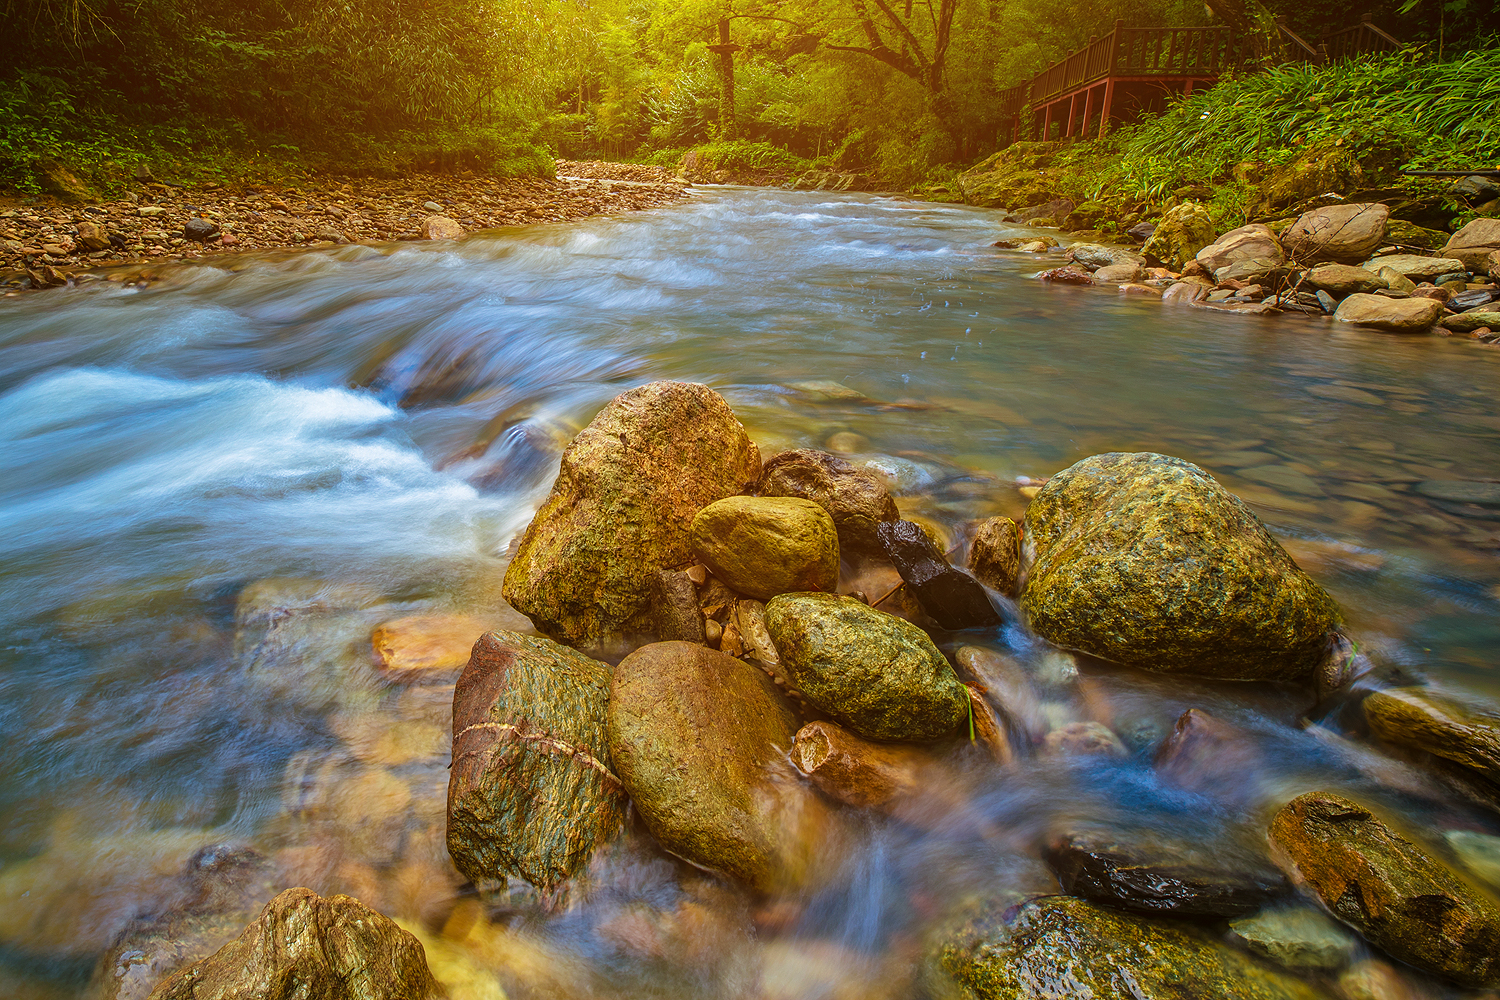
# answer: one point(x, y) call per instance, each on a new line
point(1145, 560)
point(855, 500)
point(1328, 302)
point(1159, 878)
point(953, 598)
point(995, 555)
point(306, 946)
point(1476, 189)
point(1418, 718)
point(678, 616)
point(199, 229)
point(1465, 301)
point(531, 792)
point(1398, 896)
point(1141, 231)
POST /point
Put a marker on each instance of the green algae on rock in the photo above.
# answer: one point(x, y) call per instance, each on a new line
point(764, 546)
point(1389, 889)
point(621, 508)
point(531, 792)
point(701, 741)
point(878, 675)
point(1059, 947)
point(1182, 232)
point(1145, 560)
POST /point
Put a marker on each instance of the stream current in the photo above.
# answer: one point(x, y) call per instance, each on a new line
point(357, 434)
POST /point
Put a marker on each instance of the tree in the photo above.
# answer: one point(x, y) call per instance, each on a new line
point(914, 41)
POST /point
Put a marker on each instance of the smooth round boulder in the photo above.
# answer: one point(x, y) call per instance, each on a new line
point(764, 546)
point(701, 741)
point(1146, 561)
point(880, 676)
point(855, 499)
point(1413, 315)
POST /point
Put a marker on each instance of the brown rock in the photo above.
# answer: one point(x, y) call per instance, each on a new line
point(1207, 755)
point(995, 555)
point(1185, 291)
point(856, 771)
point(1474, 243)
point(1345, 234)
point(1070, 275)
point(304, 946)
point(1389, 889)
point(92, 236)
point(1413, 315)
point(1123, 274)
point(622, 507)
point(855, 500)
point(1417, 718)
point(440, 227)
point(986, 728)
point(1081, 739)
point(1006, 684)
point(1344, 279)
point(423, 649)
point(677, 613)
point(1252, 242)
point(764, 546)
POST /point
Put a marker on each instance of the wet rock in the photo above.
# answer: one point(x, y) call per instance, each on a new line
point(764, 546)
point(1158, 877)
point(531, 792)
point(953, 598)
point(1298, 937)
point(856, 771)
point(995, 555)
point(1186, 291)
point(1372, 979)
point(678, 616)
point(1095, 255)
point(877, 674)
point(750, 619)
point(1209, 756)
point(1344, 279)
point(1123, 274)
point(1182, 232)
point(1395, 281)
point(1474, 243)
point(1253, 242)
point(700, 740)
point(439, 227)
point(1083, 739)
point(1418, 718)
point(1415, 268)
point(1461, 491)
point(1061, 947)
point(856, 500)
point(1389, 889)
point(630, 485)
point(986, 729)
point(1008, 686)
point(1145, 560)
point(199, 230)
point(1413, 315)
point(425, 649)
point(1070, 275)
point(304, 945)
point(1344, 234)
point(1478, 852)
point(1470, 321)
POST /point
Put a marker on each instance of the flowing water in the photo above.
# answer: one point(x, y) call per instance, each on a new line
point(344, 437)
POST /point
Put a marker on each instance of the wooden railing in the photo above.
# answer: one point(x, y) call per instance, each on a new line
point(1361, 40)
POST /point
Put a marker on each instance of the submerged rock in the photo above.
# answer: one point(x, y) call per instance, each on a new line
point(624, 500)
point(856, 500)
point(953, 598)
point(700, 740)
point(1145, 560)
point(303, 945)
point(877, 674)
point(531, 792)
point(1298, 937)
point(764, 546)
point(1389, 889)
point(1056, 947)
point(1159, 877)
point(1418, 718)
point(856, 771)
point(425, 649)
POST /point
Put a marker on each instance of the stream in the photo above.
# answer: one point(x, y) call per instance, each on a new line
point(360, 433)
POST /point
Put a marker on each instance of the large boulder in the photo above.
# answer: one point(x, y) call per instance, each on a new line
point(1344, 279)
point(1061, 948)
point(764, 546)
point(856, 500)
point(1398, 896)
point(701, 741)
point(1425, 720)
point(1145, 560)
point(1343, 234)
point(1474, 243)
point(531, 792)
point(1413, 315)
point(1182, 232)
point(878, 675)
point(1415, 267)
point(622, 507)
point(1253, 242)
point(305, 946)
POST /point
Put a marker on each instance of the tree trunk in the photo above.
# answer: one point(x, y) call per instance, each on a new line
point(728, 127)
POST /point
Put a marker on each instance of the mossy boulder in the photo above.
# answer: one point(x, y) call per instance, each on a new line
point(1014, 176)
point(701, 741)
point(530, 792)
point(621, 508)
point(1060, 947)
point(1412, 236)
point(1398, 896)
point(764, 546)
point(1181, 233)
point(1145, 560)
point(878, 675)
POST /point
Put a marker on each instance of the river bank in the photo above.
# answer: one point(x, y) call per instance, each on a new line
point(44, 241)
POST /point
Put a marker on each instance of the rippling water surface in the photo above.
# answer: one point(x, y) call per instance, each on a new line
point(350, 436)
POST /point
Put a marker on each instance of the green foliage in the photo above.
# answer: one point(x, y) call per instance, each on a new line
point(742, 156)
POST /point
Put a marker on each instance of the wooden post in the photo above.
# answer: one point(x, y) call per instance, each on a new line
point(1114, 46)
point(1088, 112)
point(1047, 125)
point(1072, 113)
point(1109, 103)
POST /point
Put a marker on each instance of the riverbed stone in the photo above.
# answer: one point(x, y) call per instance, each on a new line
point(878, 675)
point(1468, 322)
point(1413, 315)
point(425, 649)
point(1344, 279)
point(700, 740)
point(1120, 274)
point(764, 546)
point(622, 507)
point(440, 227)
point(1054, 947)
point(1342, 234)
point(1255, 241)
point(1392, 891)
point(1145, 560)
point(995, 555)
point(304, 945)
point(1097, 255)
point(953, 598)
point(1474, 243)
point(1414, 267)
point(1461, 491)
point(856, 500)
point(1416, 717)
point(531, 792)
point(1181, 233)
point(1297, 937)
point(857, 771)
